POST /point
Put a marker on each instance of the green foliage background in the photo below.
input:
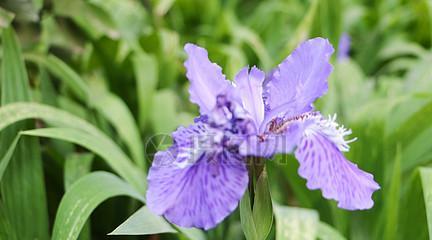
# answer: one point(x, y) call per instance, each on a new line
point(86, 84)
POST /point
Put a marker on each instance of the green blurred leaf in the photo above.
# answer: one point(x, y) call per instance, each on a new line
point(25, 10)
point(83, 197)
point(65, 73)
point(146, 76)
point(129, 17)
point(391, 212)
point(295, 223)
point(303, 29)
point(162, 7)
point(413, 219)
point(92, 20)
point(143, 222)
point(169, 119)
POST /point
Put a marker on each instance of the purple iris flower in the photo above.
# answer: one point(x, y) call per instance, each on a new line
point(200, 179)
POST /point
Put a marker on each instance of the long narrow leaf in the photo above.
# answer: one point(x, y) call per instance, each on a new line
point(83, 197)
point(22, 186)
point(119, 115)
point(111, 153)
point(143, 222)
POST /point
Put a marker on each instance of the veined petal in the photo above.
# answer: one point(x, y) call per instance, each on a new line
point(300, 79)
point(250, 85)
point(200, 195)
point(206, 78)
point(324, 167)
point(196, 182)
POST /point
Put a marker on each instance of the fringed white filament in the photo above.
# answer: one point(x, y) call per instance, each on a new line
point(333, 131)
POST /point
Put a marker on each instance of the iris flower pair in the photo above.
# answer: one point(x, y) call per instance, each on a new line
point(199, 180)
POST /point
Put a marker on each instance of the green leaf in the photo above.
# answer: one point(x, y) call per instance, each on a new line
point(8, 156)
point(162, 7)
point(246, 218)
point(326, 232)
point(103, 147)
point(164, 122)
point(412, 207)
point(146, 76)
point(92, 20)
point(76, 166)
point(25, 207)
point(391, 206)
point(426, 179)
point(143, 222)
point(129, 16)
point(118, 114)
point(303, 29)
point(65, 73)
point(295, 223)
point(257, 221)
point(77, 127)
point(262, 209)
point(192, 233)
point(25, 10)
point(83, 197)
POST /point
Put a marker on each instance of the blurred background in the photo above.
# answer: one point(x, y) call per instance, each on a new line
point(118, 65)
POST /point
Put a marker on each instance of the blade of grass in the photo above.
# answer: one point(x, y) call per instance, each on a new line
point(16, 112)
point(146, 75)
point(426, 179)
point(119, 115)
point(77, 165)
point(62, 71)
point(143, 222)
point(83, 197)
point(104, 148)
point(22, 186)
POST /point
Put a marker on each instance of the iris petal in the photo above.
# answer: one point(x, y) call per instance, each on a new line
point(299, 80)
point(206, 78)
point(204, 191)
point(250, 86)
point(324, 167)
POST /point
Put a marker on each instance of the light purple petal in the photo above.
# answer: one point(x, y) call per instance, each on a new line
point(250, 85)
point(344, 47)
point(206, 78)
point(210, 192)
point(300, 79)
point(204, 191)
point(324, 167)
